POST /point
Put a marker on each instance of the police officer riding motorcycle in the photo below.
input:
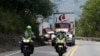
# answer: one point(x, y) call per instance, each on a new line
point(60, 43)
point(27, 41)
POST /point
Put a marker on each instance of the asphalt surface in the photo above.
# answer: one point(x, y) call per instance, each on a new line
point(82, 48)
point(88, 48)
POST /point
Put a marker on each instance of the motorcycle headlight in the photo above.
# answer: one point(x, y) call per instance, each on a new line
point(26, 40)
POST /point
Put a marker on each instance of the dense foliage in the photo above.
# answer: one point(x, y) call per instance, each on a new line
point(16, 14)
point(89, 24)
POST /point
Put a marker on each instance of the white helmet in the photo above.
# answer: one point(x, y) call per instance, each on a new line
point(28, 27)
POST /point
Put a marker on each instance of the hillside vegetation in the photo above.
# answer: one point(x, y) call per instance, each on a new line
point(89, 24)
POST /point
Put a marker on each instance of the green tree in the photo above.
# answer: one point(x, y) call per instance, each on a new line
point(15, 15)
point(29, 7)
point(89, 23)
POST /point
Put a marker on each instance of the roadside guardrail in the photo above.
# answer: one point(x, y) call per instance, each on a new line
point(88, 38)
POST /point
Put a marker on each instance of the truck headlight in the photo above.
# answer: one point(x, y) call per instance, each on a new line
point(46, 35)
point(70, 35)
point(53, 36)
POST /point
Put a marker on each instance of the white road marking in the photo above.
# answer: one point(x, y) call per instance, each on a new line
point(13, 53)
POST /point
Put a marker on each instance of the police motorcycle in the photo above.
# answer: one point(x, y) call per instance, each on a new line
point(60, 45)
point(28, 46)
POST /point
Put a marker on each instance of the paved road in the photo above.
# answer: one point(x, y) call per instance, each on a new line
point(88, 48)
point(82, 48)
point(39, 51)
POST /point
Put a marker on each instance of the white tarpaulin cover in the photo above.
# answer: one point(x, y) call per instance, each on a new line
point(42, 26)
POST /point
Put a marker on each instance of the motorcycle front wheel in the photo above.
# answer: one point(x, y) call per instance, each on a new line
point(26, 54)
point(60, 54)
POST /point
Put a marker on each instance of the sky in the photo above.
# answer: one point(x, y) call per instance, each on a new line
point(69, 5)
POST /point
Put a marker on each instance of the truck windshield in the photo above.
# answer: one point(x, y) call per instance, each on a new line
point(63, 25)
